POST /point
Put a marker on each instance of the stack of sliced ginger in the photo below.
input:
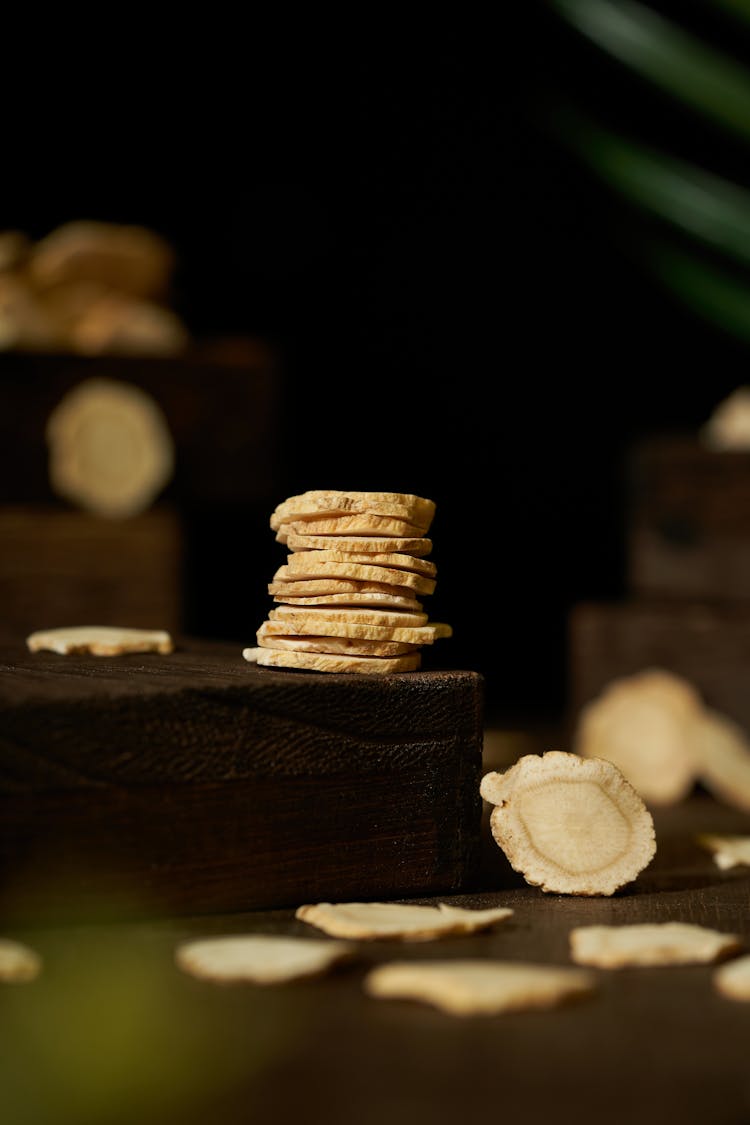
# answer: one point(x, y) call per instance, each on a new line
point(349, 593)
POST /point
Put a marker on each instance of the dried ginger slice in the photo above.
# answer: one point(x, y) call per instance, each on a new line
point(648, 944)
point(722, 755)
point(325, 627)
point(372, 598)
point(360, 544)
point(388, 921)
point(305, 566)
point(99, 640)
point(360, 524)
point(317, 503)
point(317, 587)
point(479, 988)
point(345, 646)
point(392, 559)
point(18, 963)
point(259, 958)
point(326, 662)
point(570, 825)
point(728, 851)
point(642, 724)
point(733, 979)
point(384, 618)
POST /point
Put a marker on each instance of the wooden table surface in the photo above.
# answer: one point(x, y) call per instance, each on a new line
point(112, 1032)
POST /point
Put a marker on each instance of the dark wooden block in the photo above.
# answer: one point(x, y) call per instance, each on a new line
point(688, 531)
point(197, 782)
point(707, 644)
point(61, 567)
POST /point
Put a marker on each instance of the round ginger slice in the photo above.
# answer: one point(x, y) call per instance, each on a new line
point(570, 825)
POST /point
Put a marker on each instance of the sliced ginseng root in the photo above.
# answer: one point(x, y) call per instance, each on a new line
point(327, 662)
point(722, 755)
point(733, 979)
point(479, 988)
point(99, 640)
point(373, 921)
point(728, 851)
point(18, 963)
point(259, 958)
point(643, 725)
point(570, 825)
point(653, 943)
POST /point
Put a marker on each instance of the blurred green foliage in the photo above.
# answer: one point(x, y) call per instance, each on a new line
point(696, 241)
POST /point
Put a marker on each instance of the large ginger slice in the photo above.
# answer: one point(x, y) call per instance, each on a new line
point(570, 825)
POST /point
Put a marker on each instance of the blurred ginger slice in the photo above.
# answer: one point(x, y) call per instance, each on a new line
point(728, 428)
point(120, 325)
point(643, 724)
point(110, 449)
point(657, 729)
point(128, 259)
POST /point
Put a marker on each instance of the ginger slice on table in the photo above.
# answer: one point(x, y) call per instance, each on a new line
point(653, 943)
point(18, 963)
point(259, 958)
point(570, 825)
point(479, 988)
point(733, 979)
point(373, 921)
point(728, 851)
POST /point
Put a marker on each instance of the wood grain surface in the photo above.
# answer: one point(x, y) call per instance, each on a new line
point(199, 782)
point(651, 1046)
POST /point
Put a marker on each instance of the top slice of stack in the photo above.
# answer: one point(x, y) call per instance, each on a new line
point(349, 591)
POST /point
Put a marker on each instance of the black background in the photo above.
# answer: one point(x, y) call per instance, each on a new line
point(459, 308)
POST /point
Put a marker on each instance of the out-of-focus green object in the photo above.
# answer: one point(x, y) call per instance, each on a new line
point(706, 216)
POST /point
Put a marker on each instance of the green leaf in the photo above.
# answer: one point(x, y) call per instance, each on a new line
point(698, 202)
point(666, 55)
point(716, 296)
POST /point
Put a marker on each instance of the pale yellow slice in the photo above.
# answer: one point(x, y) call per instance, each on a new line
point(649, 944)
point(322, 627)
point(568, 824)
point(325, 662)
point(18, 963)
point(99, 640)
point(722, 755)
point(372, 599)
point(259, 958)
point(363, 524)
point(398, 618)
point(306, 565)
point(733, 979)
point(340, 646)
point(315, 587)
point(359, 544)
point(479, 988)
point(316, 503)
point(728, 851)
point(391, 559)
point(389, 921)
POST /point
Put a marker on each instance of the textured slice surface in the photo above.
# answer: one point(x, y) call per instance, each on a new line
point(654, 943)
point(372, 921)
point(359, 544)
point(349, 615)
point(325, 662)
point(99, 640)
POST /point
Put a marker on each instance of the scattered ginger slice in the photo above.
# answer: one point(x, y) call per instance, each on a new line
point(570, 825)
point(733, 979)
point(728, 851)
point(649, 944)
point(371, 921)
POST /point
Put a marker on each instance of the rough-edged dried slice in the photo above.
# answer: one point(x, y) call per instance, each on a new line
point(18, 963)
point(343, 646)
point(374, 600)
point(315, 587)
point(722, 755)
point(99, 640)
point(479, 988)
point(325, 662)
point(390, 921)
point(360, 544)
point(733, 979)
point(305, 567)
point(396, 618)
point(362, 524)
point(728, 851)
point(259, 958)
point(316, 503)
point(650, 943)
point(570, 825)
point(322, 627)
point(395, 561)
point(642, 723)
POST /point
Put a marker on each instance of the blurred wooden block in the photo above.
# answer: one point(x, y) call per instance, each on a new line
point(61, 567)
point(688, 526)
point(707, 644)
point(197, 782)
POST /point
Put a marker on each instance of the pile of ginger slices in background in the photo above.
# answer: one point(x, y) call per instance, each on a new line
point(348, 596)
